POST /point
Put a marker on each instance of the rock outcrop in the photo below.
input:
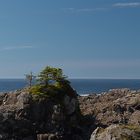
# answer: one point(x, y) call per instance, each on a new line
point(117, 132)
point(23, 116)
point(114, 115)
point(112, 109)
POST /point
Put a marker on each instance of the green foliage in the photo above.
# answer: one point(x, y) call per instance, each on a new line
point(40, 91)
point(36, 89)
point(51, 83)
point(50, 75)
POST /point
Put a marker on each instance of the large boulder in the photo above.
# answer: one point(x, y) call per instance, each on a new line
point(117, 132)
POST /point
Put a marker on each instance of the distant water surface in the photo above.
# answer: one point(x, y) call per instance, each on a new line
point(82, 86)
point(11, 84)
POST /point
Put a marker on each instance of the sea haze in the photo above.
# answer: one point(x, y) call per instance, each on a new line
point(82, 86)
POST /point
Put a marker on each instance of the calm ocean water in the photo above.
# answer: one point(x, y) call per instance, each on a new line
point(82, 86)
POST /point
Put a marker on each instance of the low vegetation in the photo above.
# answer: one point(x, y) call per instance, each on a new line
point(50, 83)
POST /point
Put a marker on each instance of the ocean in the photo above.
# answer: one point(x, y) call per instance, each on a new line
point(82, 86)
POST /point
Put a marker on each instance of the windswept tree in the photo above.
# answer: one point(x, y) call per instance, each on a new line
point(50, 82)
point(30, 77)
point(50, 74)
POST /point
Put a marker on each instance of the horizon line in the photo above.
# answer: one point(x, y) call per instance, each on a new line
point(90, 78)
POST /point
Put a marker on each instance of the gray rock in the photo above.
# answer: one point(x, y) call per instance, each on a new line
point(135, 118)
point(117, 132)
point(93, 135)
point(23, 99)
point(70, 104)
point(22, 117)
point(42, 136)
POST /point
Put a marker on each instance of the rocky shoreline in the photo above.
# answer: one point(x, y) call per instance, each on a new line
point(25, 116)
point(114, 115)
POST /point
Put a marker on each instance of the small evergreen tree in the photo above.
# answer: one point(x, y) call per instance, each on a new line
point(50, 74)
point(30, 77)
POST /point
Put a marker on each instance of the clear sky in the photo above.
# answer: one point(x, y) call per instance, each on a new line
point(86, 38)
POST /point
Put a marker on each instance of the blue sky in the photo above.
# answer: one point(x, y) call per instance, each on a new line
point(86, 38)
